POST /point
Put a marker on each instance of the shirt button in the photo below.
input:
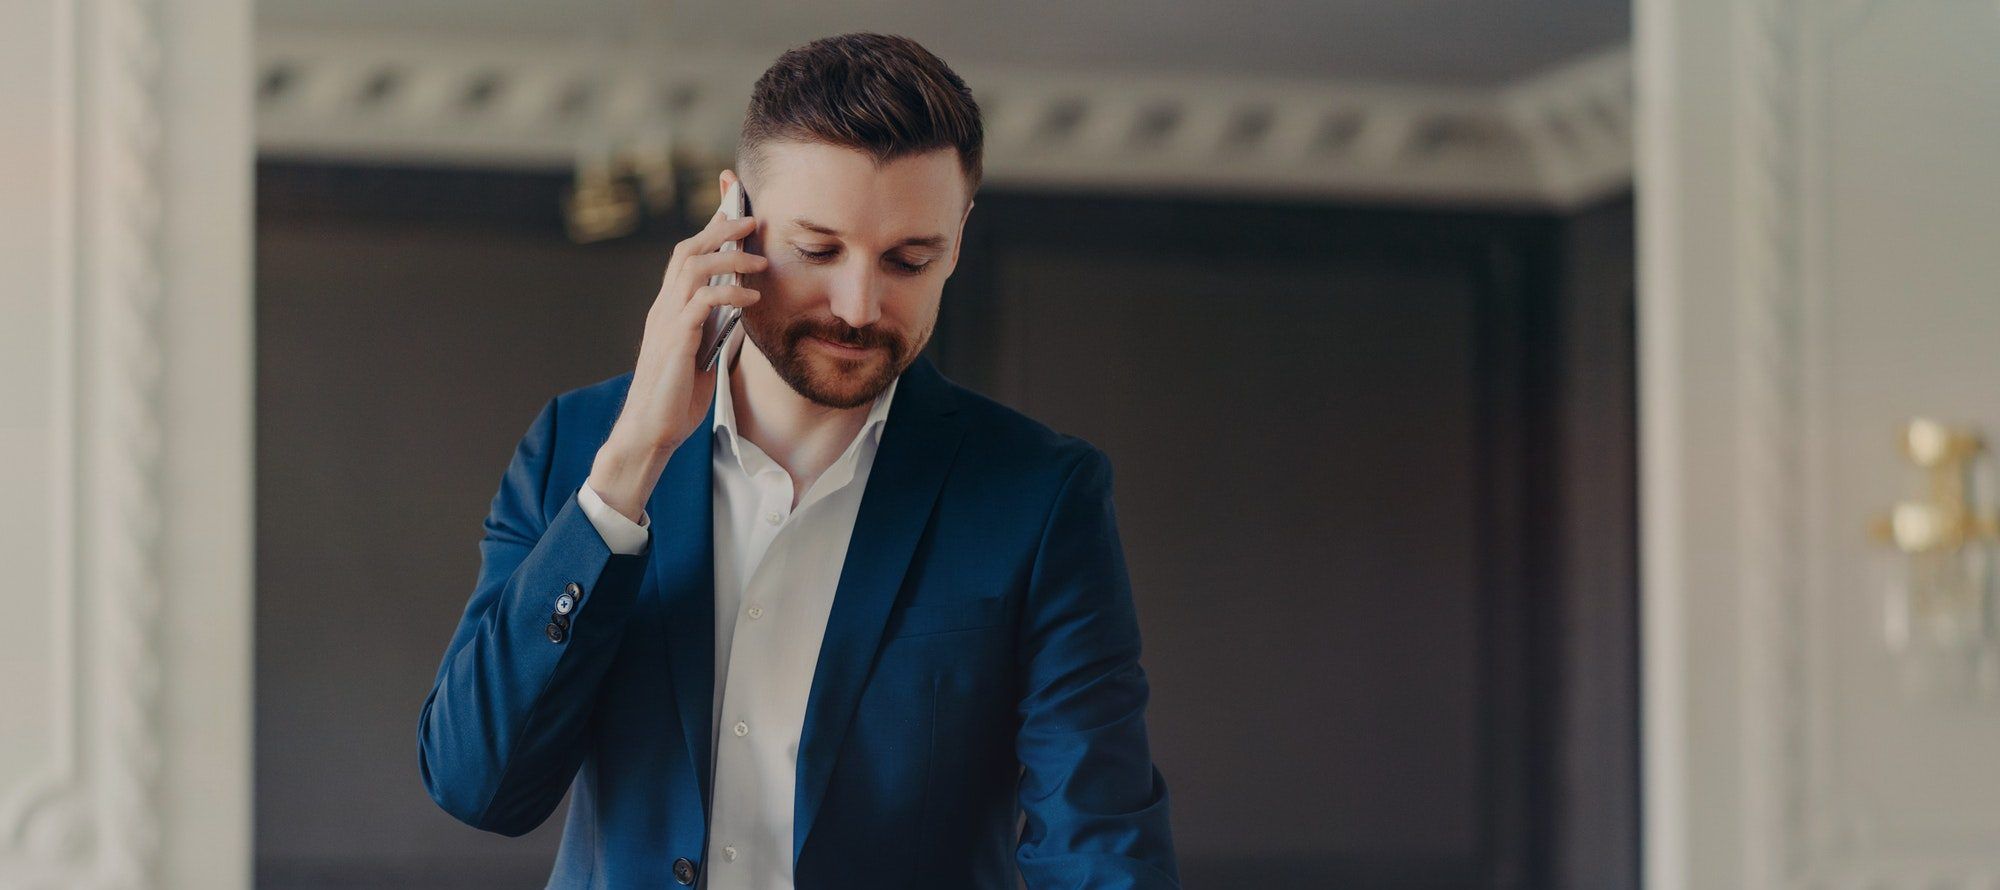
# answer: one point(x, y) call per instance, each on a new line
point(729, 853)
point(774, 517)
point(741, 728)
point(756, 612)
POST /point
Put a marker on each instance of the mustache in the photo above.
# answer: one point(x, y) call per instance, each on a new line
point(842, 333)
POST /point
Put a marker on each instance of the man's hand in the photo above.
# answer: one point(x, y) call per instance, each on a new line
point(668, 396)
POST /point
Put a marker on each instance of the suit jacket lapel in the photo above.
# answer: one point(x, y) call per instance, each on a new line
point(919, 441)
point(682, 508)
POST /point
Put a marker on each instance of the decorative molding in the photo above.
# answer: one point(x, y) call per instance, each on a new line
point(127, 358)
point(1557, 140)
point(40, 829)
point(1800, 830)
point(1579, 121)
point(1772, 518)
point(93, 818)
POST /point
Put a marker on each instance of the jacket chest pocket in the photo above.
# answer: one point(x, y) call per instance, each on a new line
point(927, 619)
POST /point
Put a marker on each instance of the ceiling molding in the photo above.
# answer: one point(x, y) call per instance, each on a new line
point(1558, 140)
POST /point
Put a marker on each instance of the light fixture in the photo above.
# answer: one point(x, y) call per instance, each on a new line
point(1939, 612)
point(631, 162)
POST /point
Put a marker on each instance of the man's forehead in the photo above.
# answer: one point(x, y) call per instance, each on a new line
point(843, 193)
point(935, 239)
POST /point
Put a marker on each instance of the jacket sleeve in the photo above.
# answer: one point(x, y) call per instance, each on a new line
point(1096, 806)
point(503, 730)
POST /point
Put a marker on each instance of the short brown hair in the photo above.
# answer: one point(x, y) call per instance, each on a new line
point(877, 93)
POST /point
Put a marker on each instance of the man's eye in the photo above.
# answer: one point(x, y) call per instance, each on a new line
point(822, 255)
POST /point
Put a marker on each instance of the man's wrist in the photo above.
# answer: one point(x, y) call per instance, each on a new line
point(624, 477)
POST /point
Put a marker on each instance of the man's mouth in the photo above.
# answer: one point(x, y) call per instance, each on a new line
point(841, 348)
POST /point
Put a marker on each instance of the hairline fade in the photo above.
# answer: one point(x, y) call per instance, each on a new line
point(881, 94)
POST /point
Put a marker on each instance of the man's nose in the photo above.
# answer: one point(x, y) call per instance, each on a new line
point(856, 298)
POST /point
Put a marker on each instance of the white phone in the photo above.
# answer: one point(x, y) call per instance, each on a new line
point(722, 319)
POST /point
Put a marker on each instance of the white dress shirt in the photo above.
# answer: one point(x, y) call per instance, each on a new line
point(775, 572)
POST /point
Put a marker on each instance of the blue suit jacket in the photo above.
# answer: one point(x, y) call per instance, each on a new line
point(981, 662)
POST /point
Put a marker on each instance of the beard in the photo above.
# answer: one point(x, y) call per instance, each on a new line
point(822, 376)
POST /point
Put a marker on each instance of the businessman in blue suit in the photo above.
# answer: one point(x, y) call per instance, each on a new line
point(816, 616)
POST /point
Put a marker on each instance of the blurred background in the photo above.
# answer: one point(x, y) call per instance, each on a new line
point(1550, 435)
point(1356, 276)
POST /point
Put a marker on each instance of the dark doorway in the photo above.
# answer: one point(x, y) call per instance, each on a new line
point(1374, 478)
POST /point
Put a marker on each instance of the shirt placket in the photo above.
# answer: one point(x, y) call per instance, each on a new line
point(741, 856)
point(759, 720)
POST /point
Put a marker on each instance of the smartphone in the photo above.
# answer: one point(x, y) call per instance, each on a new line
point(722, 319)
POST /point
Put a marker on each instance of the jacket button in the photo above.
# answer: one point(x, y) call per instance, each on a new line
point(555, 632)
point(565, 603)
point(574, 589)
point(683, 871)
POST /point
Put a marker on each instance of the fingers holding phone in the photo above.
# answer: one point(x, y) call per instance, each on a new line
point(722, 318)
point(702, 282)
point(670, 391)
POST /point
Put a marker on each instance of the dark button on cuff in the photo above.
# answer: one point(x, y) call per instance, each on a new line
point(559, 621)
point(555, 632)
point(683, 871)
point(574, 589)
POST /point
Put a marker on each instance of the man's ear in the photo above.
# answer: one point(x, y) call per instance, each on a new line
point(959, 241)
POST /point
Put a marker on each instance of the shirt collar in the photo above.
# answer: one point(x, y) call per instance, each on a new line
point(725, 405)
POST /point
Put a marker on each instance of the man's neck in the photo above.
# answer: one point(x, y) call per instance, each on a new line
point(804, 437)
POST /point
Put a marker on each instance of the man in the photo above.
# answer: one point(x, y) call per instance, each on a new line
point(817, 618)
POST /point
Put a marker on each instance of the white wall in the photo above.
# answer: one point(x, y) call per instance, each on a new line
point(125, 500)
point(1819, 217)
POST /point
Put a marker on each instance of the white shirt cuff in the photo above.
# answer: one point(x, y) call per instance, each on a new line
point(622, 535)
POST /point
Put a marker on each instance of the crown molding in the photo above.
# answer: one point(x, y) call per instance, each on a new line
point(1557, 140)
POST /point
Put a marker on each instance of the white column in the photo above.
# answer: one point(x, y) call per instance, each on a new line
point(1817, 198)
point(125, 443)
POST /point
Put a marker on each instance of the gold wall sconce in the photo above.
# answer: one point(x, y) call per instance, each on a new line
point(602, 203)
point(614, 192)
point(1939, 614)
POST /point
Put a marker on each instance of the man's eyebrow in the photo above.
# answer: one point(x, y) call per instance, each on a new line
point(931, 241)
